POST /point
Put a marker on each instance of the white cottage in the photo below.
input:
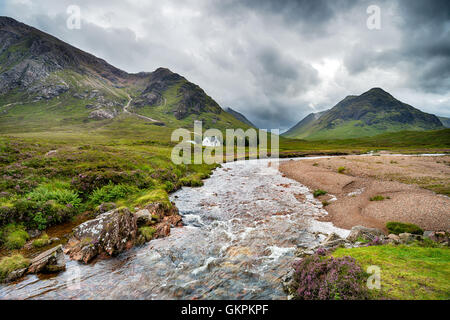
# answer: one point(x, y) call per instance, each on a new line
point(212, 141)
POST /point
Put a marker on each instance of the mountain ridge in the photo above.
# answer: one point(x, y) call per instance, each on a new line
point(239, 116)
point(373, 112)
point(38, 70)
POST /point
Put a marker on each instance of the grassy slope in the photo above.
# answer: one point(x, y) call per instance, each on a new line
point(405, 141)
point(162, 112)
point(355, 128)
point(407, 272)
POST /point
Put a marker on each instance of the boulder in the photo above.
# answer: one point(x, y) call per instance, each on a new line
point(163, 228)
point(331, 237)
point(14, 275)
point(143, 217)
point(109, 234)
point(301, 253)
point(161, 209)
point(437, 236)
point(393, 238)
point(34, 233)
point(49, 261)
point(406, 237)
point(360, 232)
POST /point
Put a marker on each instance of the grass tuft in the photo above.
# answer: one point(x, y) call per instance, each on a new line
point(400, 227)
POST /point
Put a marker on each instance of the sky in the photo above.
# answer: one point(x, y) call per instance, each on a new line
point(274, 61)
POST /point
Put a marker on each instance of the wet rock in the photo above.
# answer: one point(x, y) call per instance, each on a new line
point(360, 232)
point(49, 261)
point(163, 228)
point(109, 234)
point(161, 209)
point(331, 237)
point(334, 244)
point(34, 233)
point(143, 217)
point(301, 253)
point(287, 281)
point(14, 275)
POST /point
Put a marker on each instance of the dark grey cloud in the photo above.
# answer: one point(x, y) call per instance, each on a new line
point(274, 61)
point(423, 51)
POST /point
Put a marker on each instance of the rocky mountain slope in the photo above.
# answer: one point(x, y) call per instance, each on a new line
point(45, 82)
point(239, 116)
point(445, 121)
point(369, 114)
point(304, 124)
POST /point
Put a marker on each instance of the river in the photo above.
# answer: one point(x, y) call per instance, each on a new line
point(241, 231)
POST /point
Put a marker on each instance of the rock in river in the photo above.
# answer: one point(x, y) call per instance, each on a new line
point(109, 234)
point(49, 261)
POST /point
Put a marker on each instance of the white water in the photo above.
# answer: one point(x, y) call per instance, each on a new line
point(242, 229)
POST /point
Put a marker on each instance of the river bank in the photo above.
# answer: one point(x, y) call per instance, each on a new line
point(372, 190)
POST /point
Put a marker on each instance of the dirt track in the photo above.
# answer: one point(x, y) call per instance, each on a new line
point(368, 176)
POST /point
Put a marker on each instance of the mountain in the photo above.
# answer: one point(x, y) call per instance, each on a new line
point(304, 124)
point(46, 83)
point(368, 114)
point(445, 121)
point(239, 116)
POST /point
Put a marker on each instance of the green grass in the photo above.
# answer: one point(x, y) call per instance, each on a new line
point(407, 272)
point(42, 241)
point(319, 192)
point(9, 264)
point(377, 198)
point(341, 169)
point(14, 236)
point(112, 192)
point(399, 227)
point(147, 232)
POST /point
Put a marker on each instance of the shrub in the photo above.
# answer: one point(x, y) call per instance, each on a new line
point(325, 203)
point(14, 236)
point(42, 241)
point(315, 164)
point(147, 232)
point(327, 278)
point(40, 221)
point(319, 192)
point(9, 264)
point(377, 198)
point(112, 192)
point(399, 227)
point(45, 193)
point(341, 169)
point(192, 181)
point(89, 181)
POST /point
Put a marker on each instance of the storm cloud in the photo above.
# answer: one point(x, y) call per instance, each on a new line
point(274, 61)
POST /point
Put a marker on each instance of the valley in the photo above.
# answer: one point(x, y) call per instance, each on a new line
point(92, 205)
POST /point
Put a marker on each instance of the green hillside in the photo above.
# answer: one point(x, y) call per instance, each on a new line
point(373, 112)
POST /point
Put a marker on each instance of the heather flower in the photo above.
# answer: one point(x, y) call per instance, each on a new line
point(327, 278)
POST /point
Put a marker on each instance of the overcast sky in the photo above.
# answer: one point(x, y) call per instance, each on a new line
point(274, 61)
